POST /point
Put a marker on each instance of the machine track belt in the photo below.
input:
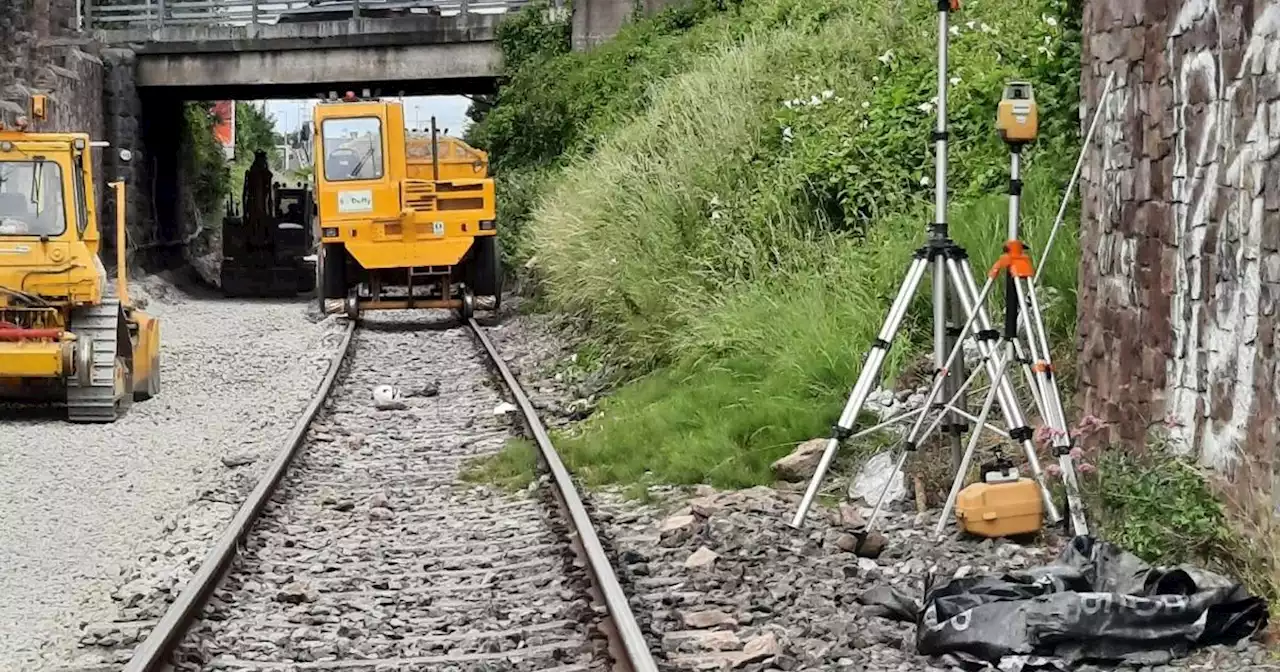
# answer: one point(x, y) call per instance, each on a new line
point(99, 400)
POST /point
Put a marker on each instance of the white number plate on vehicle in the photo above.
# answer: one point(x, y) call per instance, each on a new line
point(355, 201)
point(438, 228)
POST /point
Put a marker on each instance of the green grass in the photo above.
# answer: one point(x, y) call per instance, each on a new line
point(772, 365)
point(734, 250)
point(511, 469)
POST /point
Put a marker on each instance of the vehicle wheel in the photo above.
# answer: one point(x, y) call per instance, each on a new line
point(352, 304)
point(332, 263)
point(468, 309)
point(484, 274)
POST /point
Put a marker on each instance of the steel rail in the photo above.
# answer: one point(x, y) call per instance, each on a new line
point(159, 643)
point(627, 644)
point(636, 655)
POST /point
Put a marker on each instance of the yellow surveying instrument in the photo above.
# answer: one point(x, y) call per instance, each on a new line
point(1017, 115)
point(1017, 124)
point(958, 301)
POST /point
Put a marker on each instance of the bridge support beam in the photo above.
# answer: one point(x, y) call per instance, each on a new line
point(315, 67)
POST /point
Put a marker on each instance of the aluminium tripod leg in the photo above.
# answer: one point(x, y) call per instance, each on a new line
point(1055, 416)
point(941, 379)
point(962, 277)
point(973, 440)
point(956, 374)
point(866, 379)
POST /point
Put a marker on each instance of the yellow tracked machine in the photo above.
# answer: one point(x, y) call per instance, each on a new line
point(405, 222)
point(61, 332)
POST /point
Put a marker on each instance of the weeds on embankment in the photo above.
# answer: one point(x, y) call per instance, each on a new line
point(725, 198)
point(729, 215)
point(1158, 503)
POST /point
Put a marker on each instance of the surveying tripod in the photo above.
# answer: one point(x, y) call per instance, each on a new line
point(953, 281)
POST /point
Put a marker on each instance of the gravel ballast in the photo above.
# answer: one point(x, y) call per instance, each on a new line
point(84, 505)
point(717, 572)
point(719, 581)
point(373, 555)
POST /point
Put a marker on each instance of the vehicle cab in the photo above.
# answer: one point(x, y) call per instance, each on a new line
point(49, 238)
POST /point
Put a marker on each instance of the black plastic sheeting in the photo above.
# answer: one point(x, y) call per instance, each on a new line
point(1095, 603)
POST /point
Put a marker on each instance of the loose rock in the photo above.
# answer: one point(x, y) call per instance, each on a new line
point(237, 460)
point(703, 557)
point(802, 463)
point(709, 618)
point(296, 593)
point(871, 545)
point(762, 647)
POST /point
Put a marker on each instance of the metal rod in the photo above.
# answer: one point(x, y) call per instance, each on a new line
point(1015, 192)
point(435, 152)
point(973, 443)
point(151, 653)
point(955, 318)
point(637, 649)
point(867, 378)
point(1075, 174)
point(974, 419)
point(122, 265)
point(938, 233)
point(913, 413)
point(939, 229)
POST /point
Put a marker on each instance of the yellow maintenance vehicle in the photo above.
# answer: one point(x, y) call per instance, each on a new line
point(402, 225)
point(61, 331)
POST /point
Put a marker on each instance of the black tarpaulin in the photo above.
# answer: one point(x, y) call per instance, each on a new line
point(1095, 603)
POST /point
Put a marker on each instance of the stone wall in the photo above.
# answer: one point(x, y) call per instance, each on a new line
point(1180, 240)
point(43, 53)
point(596, 21)
point(123, 107)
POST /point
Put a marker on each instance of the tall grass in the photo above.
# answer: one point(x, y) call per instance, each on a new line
point(736, 242)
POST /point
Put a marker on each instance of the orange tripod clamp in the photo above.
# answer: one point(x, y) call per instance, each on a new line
point(1015, 259)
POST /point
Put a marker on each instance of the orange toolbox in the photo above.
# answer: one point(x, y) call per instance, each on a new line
point(1003, 505)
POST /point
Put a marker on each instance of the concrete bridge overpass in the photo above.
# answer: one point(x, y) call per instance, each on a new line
point(157, 54)
point(204, 49)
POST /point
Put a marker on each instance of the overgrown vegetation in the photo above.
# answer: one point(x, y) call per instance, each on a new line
point(724, 199)
point(215, 179)
point(205, 159)
point(1160, 505)
point(727, 196)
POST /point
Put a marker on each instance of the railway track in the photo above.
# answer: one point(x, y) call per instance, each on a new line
point(359, 549)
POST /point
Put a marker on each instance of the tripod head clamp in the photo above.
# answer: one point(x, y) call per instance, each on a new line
point(1017, 116)
point(1000, 469)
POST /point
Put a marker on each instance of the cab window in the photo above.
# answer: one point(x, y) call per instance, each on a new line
point(31, 199)
point(353, 149)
